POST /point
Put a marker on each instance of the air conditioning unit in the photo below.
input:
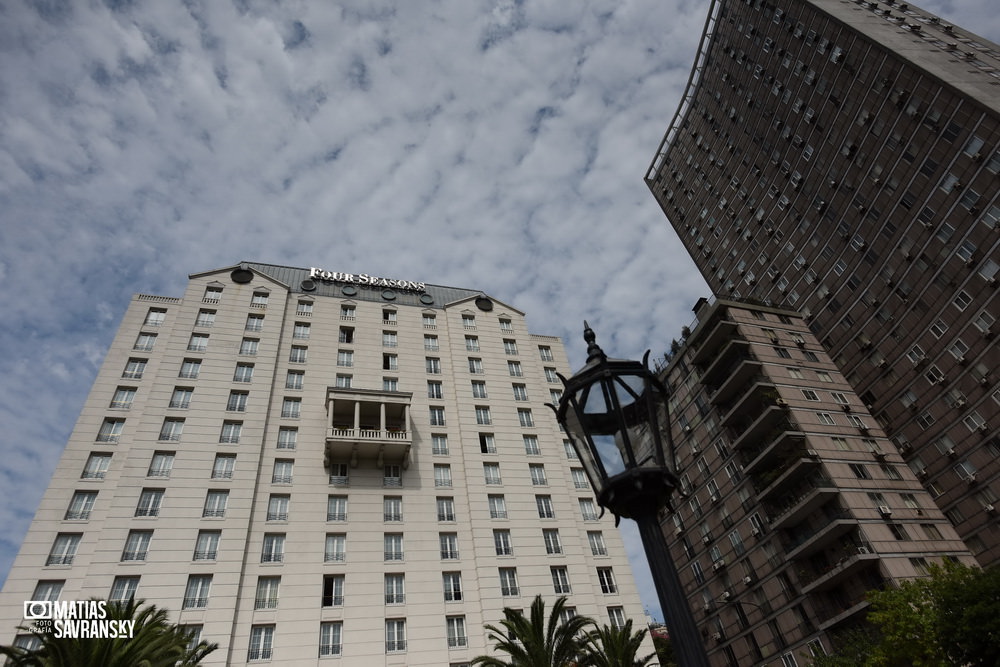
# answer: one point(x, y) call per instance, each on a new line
point(884, 510)
point(718, 565)
point(989, 508)
point(707, 539)
point(714, 498)
point(679, 531)
point(951, 452)
point(984, 428)
point(748, 580)
point(812, 453)
point(755, 532)
point(971, 479)
point(863, 550)
point(922, 474)
point(960, 403)
point(726, 595)
point(717, 636)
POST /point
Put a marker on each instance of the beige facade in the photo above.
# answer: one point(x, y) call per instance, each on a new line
point(309, 469)
point(797, 501)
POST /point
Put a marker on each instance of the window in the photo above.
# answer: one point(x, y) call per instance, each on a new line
point(431, 343)
point(261, 642)
point(249, 346)
point(47, 591)
point(395, 635)
point(432, 365)
point(215, 504)
point(345, 358)
point(267, 593)
point(514, 368)
point(597, 546)
point(64, 549)
point(282, 471)
point(555, 395)
point(393, 546)
point(483, 415)
point(392, 508)
point(304, 308)
point(570, 450)
point(154, 318)
point(588, 510)
point(111, 430)
point(553, 545)
point(273, 549)
point(291, 408)
point(206, 547)
point(390, 362)
point(123, 589)
point(80, 506)
point(442, 475)
point(509, 346)
point(606, 577)
point(123, 398)
point(962, 300)
point(298, 354)
point(439, 444)
point(810, 395)
point(475, 366)
point(544, 506)
point(445, 509)
point(491, 473)
point(469, 321)
point(244, 373)
point(520, 392)
point(825, 418)
point(277, 507)
point(134, 369)
point(190, 368)
point(531, 445)
point(537, 472)
point(472, 343)
point(196, 592)
point(508, 582)
point(478, 389)
point(898, 531)
point(150, 501)
point(452, 586)
point(171, 429)
point(301, 330)
point(434, 389)
point(449, 545)
point(551, 375)
point(295, 379)
point(205, 318)
point(430, 321)
point(348, 313)
point(390, 384)
point(456, 632)
point(181, 398)
point(498, 507)
point(560, 580)
point(335, 549)
point(344, 381)
point(333, 590)
point(331, 636)
point(231, 431)
point(160, 465)
point(394, 591)
point(501, 542)
point(860, 470)
point(525, 417)
point(545, 353)
point(506, 326)
point(254, 322)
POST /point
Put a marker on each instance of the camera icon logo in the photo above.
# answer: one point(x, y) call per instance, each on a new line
point(37, 610)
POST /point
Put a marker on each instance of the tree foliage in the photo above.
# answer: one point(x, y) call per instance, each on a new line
point(951, 617)
point(533, 642)
point(610, 646)
point(155, 642)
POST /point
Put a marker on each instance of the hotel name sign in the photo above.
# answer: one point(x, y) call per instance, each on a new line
point(365, 279)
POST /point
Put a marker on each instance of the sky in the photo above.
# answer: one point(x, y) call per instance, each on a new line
point(488, 144)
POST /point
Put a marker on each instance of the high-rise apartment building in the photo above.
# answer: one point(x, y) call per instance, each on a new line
point(301, 464)
point(797, 503)
point(840, 158)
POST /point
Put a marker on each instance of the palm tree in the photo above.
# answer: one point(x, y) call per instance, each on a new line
point(531, 642)
point(614, 647)
point(155, 642)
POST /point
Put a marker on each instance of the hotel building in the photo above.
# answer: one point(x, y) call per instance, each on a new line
point(797, 503)
point(841, 159)
point(304, 465)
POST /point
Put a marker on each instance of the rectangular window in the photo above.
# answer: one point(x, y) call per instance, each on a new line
point(449, 545)
point(472, 343)
point(475, 366)
point(478, 389)
point(205, 318)
point(597, 546)
point(506, 326)
point(160, 465)
point(514, 368)
point(244, 373)
point(531, 445)
point(291, 408)
point(560, 580)
point(430, 321)
point(394, 589)
point(64, 549)
point(436, 416)
point(273, 549)
point(171, 429)
point(122, 400)
point(525, 417)
point(335, 549)
point(431, 343)
point(333, 590)
point(154, 318)
point(134, 369)
point(520, 392)
point(432, 365)
point(491, 473)
point(266, 596)
point(457, 637)
point(304, 308)
point(254, 322)
point(261, 642)
point(545, 353)
point(509, 346)
point(190, 368)
point(606, 577)
point(149, 502)
point(434, 389)
point(237, 401)
point(537, 472)
point(498, 507)
point(588, 510)
point(553, 545)
point(395, 635)
point(206, 547)
point(196, 591)
point(277, 507)
point(445, 509)
point(111, 430)
point(123, 589)
point(298, 354)
point(294, 379)
point(215, 504)
point(551, 375)
point(544, 506)
point(483, 416)
point(282, 471)
point(181, 398)
point(442, 475)
point(249, 346)
point(439, 444)
point(392, 508)
point(501, 542)
point(393, 546)
point(80, 506)
point(508, 582)
point(331, 638)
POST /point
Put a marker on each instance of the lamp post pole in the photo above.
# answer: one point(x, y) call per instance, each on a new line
point(610, 410)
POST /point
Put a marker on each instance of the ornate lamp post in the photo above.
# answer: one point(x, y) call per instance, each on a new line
point(610, 410)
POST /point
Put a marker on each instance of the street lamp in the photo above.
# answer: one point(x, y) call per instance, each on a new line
point(610, 410)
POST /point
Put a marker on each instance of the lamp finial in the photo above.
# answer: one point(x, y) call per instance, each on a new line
point(594, 351)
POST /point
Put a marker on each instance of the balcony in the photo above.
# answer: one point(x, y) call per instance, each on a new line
point(802, 500)
point(830, 527)
point(712, 341)
point(772, 421)
point(843, 565)
point(364, 424)
point(753, 397)
point(776, 451)
point(746, 370)
point(779, 480)
point(732, 355)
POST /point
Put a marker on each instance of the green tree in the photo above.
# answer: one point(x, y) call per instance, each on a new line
point(664, 651)
point(155, 642)
point(854, 648)
point(533, 642)
point(614, 647)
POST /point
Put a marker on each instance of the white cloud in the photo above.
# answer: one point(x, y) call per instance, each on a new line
point(142, 144)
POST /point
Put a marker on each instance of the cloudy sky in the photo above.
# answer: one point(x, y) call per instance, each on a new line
point(489, 144)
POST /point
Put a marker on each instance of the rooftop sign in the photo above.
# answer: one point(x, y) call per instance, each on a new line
point(365, 279)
